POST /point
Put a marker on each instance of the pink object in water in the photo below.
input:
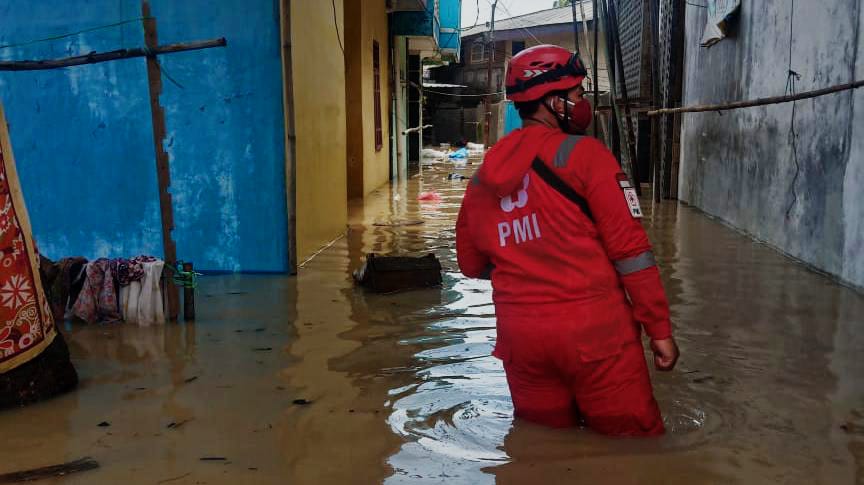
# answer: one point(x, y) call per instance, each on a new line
point(430, 196)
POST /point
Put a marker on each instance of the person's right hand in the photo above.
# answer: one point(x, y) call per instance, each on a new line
point(665, 353)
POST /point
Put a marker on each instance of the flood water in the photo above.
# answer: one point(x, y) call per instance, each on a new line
point(401, 389)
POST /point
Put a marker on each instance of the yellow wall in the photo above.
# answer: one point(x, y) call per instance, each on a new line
point(368, 169)
point(320, 117)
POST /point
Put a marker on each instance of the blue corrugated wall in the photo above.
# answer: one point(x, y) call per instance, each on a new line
point(84, 144)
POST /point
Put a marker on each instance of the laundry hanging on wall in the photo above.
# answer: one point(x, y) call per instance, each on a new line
point(720, 13)
point(110, 290)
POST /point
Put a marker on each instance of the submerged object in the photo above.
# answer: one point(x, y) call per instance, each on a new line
point(387, 274)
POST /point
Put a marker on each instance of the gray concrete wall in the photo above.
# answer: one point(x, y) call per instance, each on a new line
point(740, 165)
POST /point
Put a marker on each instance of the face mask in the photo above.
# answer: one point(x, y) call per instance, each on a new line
point(580, 114)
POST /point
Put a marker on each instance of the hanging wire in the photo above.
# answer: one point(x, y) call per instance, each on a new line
point(336, 24)
point(514, 18)
point(792, 78)
point(462, 95)
point(73, 34)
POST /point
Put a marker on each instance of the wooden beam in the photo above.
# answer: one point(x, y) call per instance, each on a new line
point(97, 57)
point(760, 101)
point(163, 172)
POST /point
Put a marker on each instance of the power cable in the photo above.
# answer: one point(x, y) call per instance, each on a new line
point(514, 18)
point(73, 34)
point(336, 24)
point(792, 78)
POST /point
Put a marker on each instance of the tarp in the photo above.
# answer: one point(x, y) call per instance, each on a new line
point(26, 324)
point(719, 12)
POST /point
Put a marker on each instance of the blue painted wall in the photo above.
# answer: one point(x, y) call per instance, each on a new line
point(84, 143)
point(451, 22)
point(512, 120)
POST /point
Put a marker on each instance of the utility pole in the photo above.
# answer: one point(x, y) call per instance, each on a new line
point(490, 55)
point(575, 25)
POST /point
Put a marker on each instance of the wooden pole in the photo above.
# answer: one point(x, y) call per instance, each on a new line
point(188, 296)
point(759, 101)
point(97, 57)
point(585, 38)
point(490, 53)
point(575, 26)
point(290, 132)
point(656, 98)
point(631, 133)
point(163, 172)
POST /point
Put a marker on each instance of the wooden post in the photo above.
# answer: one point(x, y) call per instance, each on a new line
point(290, 132)
point(656, 99)
point(575, 26)
point(490, 52)
point(188, 296)
point(154, 77)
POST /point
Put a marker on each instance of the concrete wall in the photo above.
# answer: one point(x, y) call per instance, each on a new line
point(740, 166)
point(84, 141)
point(319, 109)
point(368, 168)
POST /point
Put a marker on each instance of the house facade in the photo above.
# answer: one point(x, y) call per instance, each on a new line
point(267, 138)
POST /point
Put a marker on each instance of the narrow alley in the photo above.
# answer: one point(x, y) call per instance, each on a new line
point(205, 207)
point(311, 380)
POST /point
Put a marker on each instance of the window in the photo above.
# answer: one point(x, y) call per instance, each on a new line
point(518, 46)
point(478, 53)
point(376, 72)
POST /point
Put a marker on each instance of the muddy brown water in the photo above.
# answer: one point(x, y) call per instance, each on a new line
point(401, 388)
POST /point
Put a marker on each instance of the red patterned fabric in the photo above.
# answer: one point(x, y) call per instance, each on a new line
point(26, 324)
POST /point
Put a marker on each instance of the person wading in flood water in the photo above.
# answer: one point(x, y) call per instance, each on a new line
point(554, 222)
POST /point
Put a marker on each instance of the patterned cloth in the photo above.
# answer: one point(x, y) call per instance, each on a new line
point(26, 325)
point(97, 301)
point(58, 279)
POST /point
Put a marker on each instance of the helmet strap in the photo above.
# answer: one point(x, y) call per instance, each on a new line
point(563, 119)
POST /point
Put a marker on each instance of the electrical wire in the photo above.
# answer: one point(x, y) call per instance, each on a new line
point(791, 87)
point(73, 34)
point(336, 24)
point(513, 18)
point(462, 95)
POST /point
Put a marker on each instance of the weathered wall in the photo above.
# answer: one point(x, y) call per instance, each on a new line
point(368, 168)
point(84, 140)
point(741, 167)
point(319, 108)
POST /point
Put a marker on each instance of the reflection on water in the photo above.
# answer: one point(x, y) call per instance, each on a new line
point(402, 388)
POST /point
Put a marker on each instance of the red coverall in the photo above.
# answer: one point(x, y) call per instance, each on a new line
point(567, 333)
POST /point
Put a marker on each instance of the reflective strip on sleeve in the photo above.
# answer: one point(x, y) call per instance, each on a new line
point(564, 151)
point(636, 263)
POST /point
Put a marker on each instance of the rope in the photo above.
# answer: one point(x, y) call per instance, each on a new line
point(183, 279)
point(73, 34)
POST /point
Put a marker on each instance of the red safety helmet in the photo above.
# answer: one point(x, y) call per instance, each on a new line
point(540, 70)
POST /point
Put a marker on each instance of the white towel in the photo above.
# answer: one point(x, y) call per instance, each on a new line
point(141, 301)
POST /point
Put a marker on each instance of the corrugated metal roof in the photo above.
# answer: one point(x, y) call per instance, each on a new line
point(552, 16)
